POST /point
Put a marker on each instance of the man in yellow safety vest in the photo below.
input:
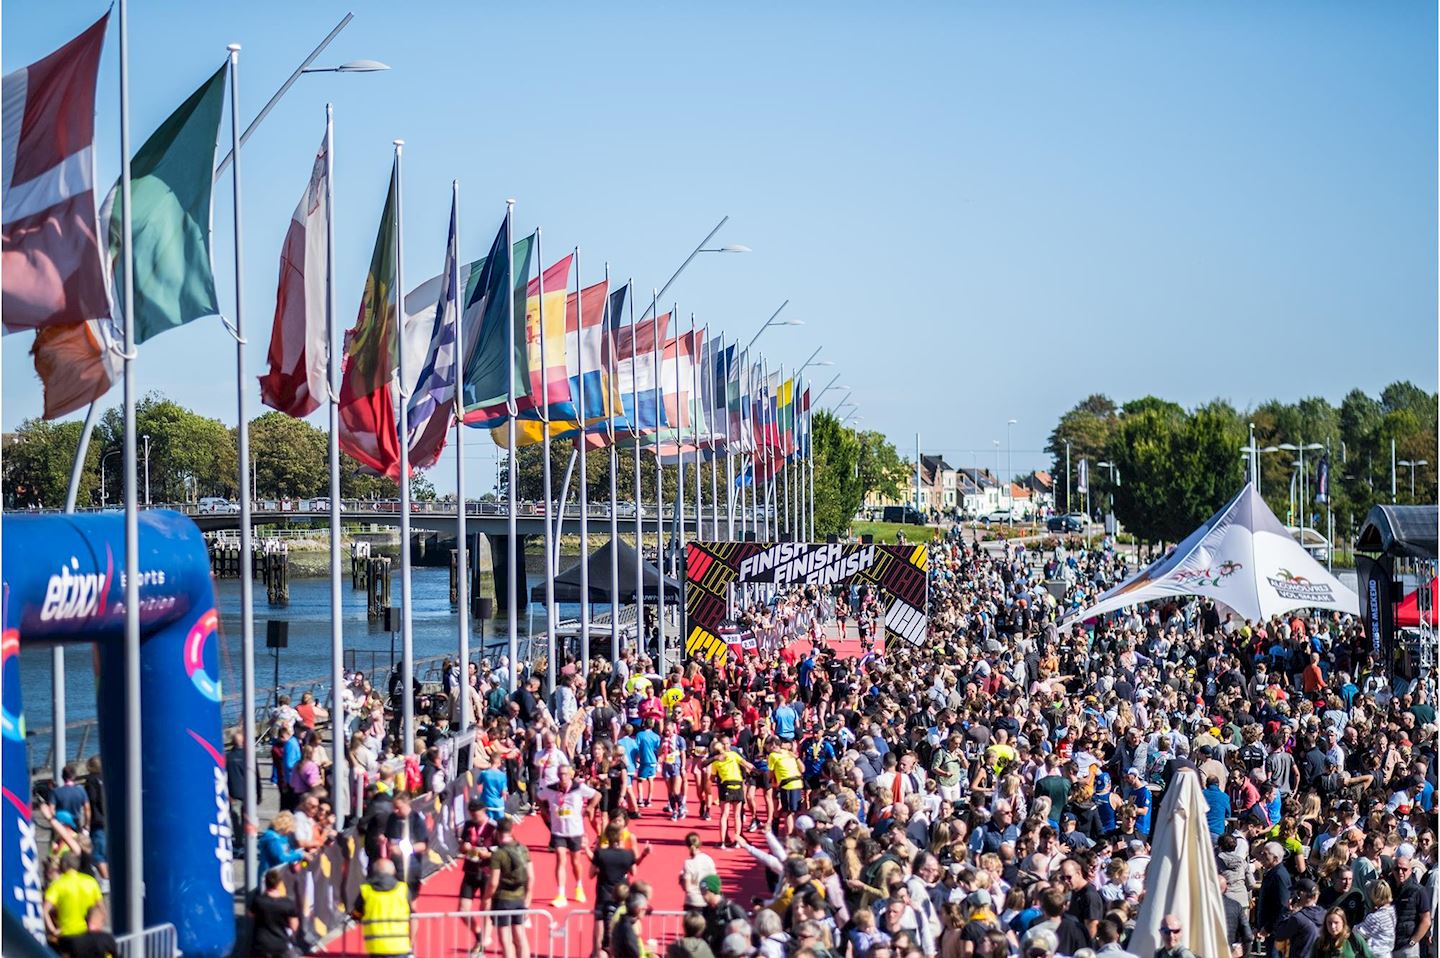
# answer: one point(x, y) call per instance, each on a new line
point(383, 910)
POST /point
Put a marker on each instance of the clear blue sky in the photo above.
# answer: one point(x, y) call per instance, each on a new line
point(983, 211)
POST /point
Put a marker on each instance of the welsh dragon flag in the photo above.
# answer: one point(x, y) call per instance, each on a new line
point(368, 429)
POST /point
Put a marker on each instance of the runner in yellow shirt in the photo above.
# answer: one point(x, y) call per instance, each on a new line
point(69, 899)
point(730, 770)
point(788, 777)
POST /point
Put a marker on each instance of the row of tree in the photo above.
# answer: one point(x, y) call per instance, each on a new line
point(192, 456)
point(1175, 466)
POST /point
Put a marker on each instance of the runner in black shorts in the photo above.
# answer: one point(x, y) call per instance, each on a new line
point(476, 836)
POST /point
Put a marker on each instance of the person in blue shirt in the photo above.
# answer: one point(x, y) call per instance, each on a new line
point(815, 752)
point(1217, 807)
point(805, 673)
point(1137, 793)
point(629, 747)
point(786, 720)
point(277, 844)
point(493, 787)
point(1103, 808)
point(647, 760)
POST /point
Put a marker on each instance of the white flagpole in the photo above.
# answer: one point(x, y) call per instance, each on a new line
point(462, 529)
point(678, 535)
point(772, 521)
point(247, 613)
point(810, 450)
point(639, 497)
point(560, 510)
point(614, 494)
point(134, 903)
point(340, 792)
point(658, 362)
point(785, 471)
point(584, 477)
point(407, 637)
point(710, 367)
point(696, 357)
point(729, 448)
point(542, 406)
point(515, 588)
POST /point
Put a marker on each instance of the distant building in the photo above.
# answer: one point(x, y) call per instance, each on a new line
point(1041, 486)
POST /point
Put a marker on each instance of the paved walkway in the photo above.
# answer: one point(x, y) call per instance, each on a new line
point(569, 930)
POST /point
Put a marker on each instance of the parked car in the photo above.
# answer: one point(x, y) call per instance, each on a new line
point(217, 504)
point(1070, 523)
point(998, 515)
point(907, 515)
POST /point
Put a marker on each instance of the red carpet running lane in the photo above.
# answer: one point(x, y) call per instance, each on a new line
point(742, 875)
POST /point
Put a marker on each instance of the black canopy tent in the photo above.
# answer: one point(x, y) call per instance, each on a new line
point(567, 583)
point(1401, 531)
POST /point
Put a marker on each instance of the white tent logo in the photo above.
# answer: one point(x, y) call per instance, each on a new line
point(1299, 589)
point(1241, 557)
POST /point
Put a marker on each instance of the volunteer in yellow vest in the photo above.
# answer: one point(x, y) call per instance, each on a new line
point(69, 899)
point(788, 778)
point(383, 910)
point(729, 769)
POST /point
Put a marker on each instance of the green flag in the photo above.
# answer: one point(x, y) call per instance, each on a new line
point(170, 182)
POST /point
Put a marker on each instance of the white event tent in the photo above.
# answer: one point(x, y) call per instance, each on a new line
point(1243, 558)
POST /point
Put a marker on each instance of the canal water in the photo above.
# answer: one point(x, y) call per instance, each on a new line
point(307, 656)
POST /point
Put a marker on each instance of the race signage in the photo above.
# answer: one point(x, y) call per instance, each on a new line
point(712, 569)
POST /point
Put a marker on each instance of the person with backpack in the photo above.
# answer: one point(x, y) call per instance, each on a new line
point(512, 883)
point(719, 911)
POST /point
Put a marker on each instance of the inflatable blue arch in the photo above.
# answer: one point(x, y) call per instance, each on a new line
point(63, 582)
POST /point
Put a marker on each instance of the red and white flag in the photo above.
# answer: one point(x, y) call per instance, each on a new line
point(296, 383)
point(50, 255)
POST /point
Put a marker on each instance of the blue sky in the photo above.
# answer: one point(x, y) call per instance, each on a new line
point(982, 211)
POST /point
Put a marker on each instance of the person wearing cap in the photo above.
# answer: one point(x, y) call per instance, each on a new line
point(1301, 924)
point(718, 912)
point(1137, 793)
point(475, 838)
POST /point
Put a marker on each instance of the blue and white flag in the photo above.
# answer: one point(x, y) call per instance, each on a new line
point(432, 404)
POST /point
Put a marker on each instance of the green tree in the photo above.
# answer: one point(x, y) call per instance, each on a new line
point(359, 482)
point(37, 463)
point(190, 455)
point(1143, 448)
point(838, 494)
point(291, 457)
point(1087, 428)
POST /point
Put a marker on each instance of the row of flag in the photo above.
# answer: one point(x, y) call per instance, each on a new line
point(576, 364)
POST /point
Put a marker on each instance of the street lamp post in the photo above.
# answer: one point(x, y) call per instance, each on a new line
point(146, 437)
point(103, 457)
point(1412, 465)
point(998, 487)
point(774, 320)
point(1301, 447)
point(1010, 466)
point(1114, 481)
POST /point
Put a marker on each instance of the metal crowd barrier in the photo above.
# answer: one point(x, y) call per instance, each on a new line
point(156, 942)
point(575, 936)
